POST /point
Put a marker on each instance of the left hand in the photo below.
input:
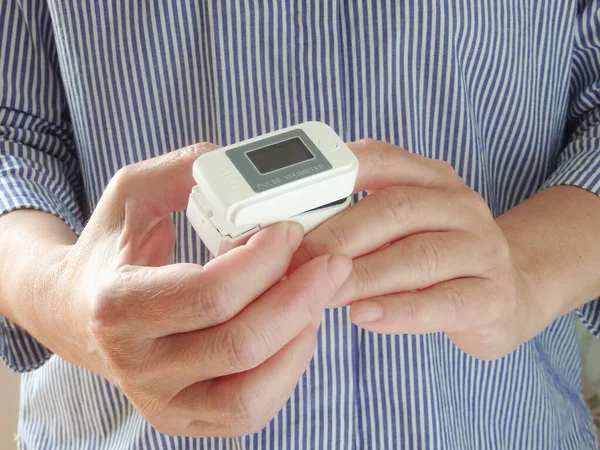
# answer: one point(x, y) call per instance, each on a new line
point(428, 256)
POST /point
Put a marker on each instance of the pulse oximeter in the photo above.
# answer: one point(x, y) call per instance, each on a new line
point(304, 173)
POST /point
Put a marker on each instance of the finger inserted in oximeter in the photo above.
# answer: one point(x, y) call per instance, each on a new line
point(304, 173)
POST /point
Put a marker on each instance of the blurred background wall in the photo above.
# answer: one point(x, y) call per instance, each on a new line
point(9, 407)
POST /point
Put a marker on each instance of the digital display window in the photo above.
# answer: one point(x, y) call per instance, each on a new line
point(280, 155)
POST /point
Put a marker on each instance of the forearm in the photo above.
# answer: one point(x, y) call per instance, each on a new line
point(555, 237)
point(31, 243)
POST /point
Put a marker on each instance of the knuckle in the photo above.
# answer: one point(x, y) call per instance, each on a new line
point(443, 166)
point(375, 145)
point(244, 349)
point(148, 392)
point(110, 300)
point(123, 179)
point(457, 300)
point(445, 172)
point(496, 248)
point(104, 307)
point(101, 318)
point(501, 248)
point(395, 203)
point(110, 329)
point(337, 241)
point(103, 314)
point(476, 199)
point(366, 280)
point(142, 369)
point(493, 249)
point(379, 154)
point(247, 412)
point(369, 141)
point(413, 313)
point(128, 375)
point(404, 204)
point(428, 255)
point(216, 302)
point(475, 202)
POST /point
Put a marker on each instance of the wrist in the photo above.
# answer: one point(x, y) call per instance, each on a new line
point(538, 287)
point(32, 247)
point(31, 287)
point(44, 307)
point(533, 290)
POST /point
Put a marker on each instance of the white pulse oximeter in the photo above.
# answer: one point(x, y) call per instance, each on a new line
point(303, 173)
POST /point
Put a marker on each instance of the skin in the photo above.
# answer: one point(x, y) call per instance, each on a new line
point(429, 257)
point(217, 350)
point(199, 351)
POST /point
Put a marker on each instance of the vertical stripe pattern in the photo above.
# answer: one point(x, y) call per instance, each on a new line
point(507, 92)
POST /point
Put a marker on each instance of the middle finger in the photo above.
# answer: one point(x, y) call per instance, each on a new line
point(386, 216)
point(259, 331)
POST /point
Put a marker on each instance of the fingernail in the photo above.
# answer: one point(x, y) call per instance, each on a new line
point(295, 233)
point(366, 312)
point(339, 268)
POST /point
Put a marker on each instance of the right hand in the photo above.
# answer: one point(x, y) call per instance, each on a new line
point(199, 351)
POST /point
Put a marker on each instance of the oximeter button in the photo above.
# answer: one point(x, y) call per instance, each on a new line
point(328, 144)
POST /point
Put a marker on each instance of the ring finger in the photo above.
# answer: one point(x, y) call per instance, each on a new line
point(386, 216)
point(415, 263)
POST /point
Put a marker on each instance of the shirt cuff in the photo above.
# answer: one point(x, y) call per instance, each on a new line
point(19, 350)
point(590, 316)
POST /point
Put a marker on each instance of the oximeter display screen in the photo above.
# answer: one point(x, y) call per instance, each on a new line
point(280, 155)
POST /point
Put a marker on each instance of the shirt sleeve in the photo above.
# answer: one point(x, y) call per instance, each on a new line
point(38, 162)
point(579, 162)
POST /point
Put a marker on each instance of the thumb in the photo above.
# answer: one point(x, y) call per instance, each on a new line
point(141, 195)
point(148, 191)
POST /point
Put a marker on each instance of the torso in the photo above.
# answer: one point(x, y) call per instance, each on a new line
point(483, 85)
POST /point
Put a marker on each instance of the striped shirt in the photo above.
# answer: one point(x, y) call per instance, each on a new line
point(508, 92)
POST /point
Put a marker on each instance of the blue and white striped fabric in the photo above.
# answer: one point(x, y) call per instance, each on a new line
point(506, 91)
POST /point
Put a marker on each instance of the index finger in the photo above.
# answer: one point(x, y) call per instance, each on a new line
point(180, 298)
point(262, 329)
point(382, 165)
